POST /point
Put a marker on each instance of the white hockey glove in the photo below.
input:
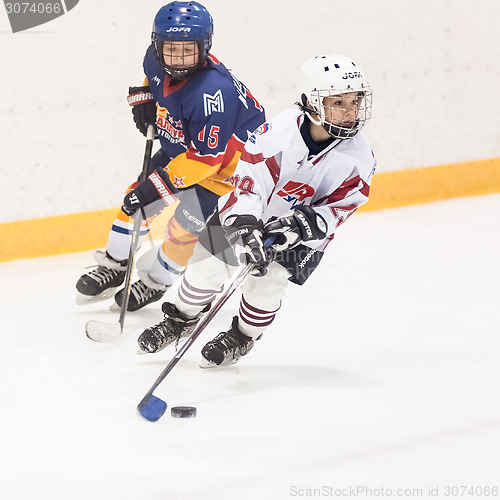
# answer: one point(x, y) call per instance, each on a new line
point(244, 234)
point(305, 224)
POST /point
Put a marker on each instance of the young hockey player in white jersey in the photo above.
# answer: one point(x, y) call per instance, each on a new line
point(300, 176)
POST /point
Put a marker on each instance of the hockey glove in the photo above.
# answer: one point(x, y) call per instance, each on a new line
point(152, 189)
point(143, 107)
point(244, 234)
point(305, 224)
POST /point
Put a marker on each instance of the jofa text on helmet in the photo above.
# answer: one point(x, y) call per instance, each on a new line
point(178, 28)
point(354, 74)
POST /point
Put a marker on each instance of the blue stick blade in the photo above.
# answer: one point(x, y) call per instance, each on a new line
point(152, 409)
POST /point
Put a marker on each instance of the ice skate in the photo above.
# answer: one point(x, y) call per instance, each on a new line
point(99, 284)
point(174, 327)
point(102, 282)
point(140, 295)
point(227, 348)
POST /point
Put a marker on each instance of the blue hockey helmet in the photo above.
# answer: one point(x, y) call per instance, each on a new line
point(182, 22)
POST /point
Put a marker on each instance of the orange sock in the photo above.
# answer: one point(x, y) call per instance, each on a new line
point(178, 244)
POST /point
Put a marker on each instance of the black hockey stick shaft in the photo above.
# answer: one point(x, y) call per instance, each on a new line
point(134, 245)
point(199, 329)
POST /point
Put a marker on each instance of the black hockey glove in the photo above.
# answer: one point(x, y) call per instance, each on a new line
point(305, 224)
point(143, 107)
point(152, 189)
point(244, 234)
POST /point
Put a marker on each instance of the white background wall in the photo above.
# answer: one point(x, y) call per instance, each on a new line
point(68, 143)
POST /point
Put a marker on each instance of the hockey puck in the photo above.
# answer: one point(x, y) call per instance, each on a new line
point(183, 411)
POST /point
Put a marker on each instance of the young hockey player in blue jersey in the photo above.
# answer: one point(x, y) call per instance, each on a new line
point(203, 116)
point(301, 175)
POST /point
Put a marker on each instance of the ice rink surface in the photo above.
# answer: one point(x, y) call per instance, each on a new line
point(381, 373)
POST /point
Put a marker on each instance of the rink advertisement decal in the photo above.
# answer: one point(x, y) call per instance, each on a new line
point(28, 14)
point(78, 232)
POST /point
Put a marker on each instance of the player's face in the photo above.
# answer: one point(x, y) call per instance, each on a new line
point(342, 110)
point(181, 54)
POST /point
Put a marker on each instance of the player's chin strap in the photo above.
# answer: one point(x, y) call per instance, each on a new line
point(304, 107)
point(308, 110)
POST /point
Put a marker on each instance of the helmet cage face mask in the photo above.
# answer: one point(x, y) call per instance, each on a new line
point(182, 22)
point(335, 95)
point(187, 50)
point(342, 114)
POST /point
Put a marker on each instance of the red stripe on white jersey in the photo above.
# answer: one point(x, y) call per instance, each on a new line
point(365, 190)
point(230, 202)
point(274, 169)
point(251, 158)
point(342, 191)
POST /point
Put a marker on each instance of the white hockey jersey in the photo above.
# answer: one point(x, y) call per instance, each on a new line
point(276, 174)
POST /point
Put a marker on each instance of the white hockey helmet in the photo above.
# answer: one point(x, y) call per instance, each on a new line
point(332, 76)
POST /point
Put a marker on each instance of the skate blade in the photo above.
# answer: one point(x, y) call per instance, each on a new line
point(81, 299)
point(103, 332)
point(205, 364)
point(114, 307)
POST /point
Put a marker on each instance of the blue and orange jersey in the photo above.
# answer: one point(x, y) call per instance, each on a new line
point(202, 122)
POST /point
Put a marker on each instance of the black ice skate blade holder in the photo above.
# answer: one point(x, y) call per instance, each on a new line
point(152, 407)
point(112, 332)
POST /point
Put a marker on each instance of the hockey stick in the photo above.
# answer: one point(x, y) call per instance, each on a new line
point(106, 332)
point(152, 407)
